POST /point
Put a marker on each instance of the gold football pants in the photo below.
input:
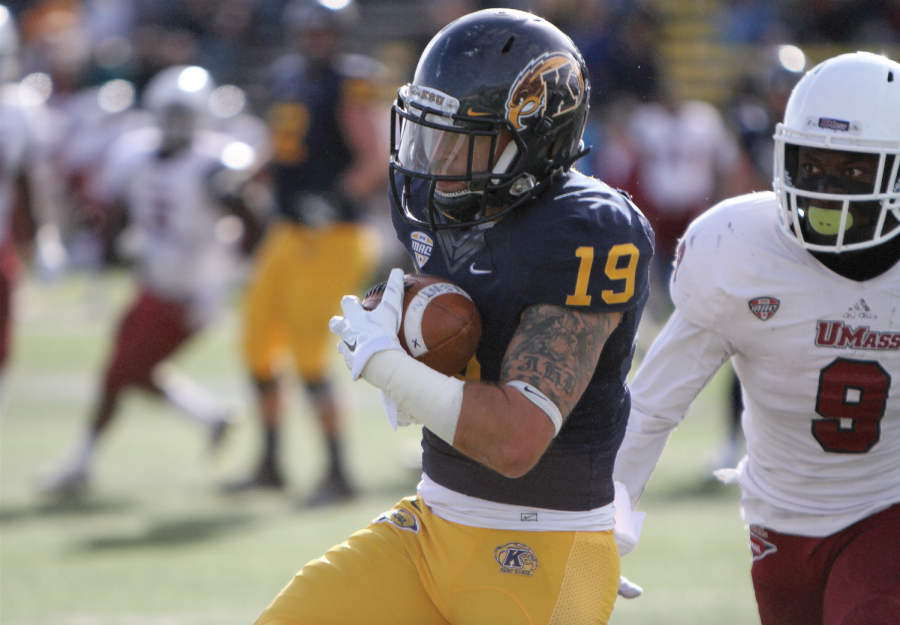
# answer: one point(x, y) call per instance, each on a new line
point(299, 278)
point(410, 567)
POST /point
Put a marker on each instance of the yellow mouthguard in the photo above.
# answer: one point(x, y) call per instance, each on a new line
point(827, 221)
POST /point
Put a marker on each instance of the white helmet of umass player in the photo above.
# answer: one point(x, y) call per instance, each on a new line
point(179, 97)
point(9, 47)
point(845, 112)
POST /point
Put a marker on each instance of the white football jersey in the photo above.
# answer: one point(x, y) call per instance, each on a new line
point(818, 356)
point(183, 251)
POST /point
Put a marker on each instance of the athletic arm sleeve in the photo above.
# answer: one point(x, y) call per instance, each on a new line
point(681, 362)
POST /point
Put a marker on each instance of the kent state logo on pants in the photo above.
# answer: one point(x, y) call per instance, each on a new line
point(516, 558)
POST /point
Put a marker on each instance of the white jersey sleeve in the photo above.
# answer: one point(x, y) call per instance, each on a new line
point(678, 366)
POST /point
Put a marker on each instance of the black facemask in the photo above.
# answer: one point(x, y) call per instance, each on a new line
point(862, 264)
point(857, 232)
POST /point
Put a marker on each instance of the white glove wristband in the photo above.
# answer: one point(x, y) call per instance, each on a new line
point(431, 398)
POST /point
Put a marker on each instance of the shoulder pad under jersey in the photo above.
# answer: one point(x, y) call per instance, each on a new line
point(715, 255)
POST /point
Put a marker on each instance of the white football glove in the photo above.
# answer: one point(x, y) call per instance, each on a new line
point(366, 332)
point(629, 590)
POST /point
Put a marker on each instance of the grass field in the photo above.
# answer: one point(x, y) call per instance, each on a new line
point(156, 544)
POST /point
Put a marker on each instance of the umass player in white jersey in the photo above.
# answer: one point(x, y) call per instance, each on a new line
point(801, 289)
point(171, 180)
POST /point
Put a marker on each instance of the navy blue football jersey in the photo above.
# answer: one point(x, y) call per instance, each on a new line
point(581, 246)
point(309, 151)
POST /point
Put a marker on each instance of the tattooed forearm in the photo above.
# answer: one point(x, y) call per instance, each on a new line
point(557, 350)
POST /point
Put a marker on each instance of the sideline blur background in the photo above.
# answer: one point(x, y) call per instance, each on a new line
point(730, 54)
point(157, 543)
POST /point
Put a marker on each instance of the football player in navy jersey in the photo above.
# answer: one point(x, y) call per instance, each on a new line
point(513, 520)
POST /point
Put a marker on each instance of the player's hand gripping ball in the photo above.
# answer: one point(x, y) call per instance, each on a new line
point(440, 326)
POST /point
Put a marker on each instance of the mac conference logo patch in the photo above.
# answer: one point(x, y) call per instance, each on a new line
point(422, 246)
point(401, 518)
point(764, 307)
point(516, 558)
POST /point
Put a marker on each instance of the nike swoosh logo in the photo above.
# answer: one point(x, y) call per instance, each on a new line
point(478, 272)
point(352, 346)
point(473, 113)
point(528, 389)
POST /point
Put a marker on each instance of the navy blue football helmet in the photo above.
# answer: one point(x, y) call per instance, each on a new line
point(495, 112)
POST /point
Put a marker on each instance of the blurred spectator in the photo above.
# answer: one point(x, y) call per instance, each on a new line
point(221, 31)
point(750, 22)
point(110, 18)
point(329, 160)
point(760, 95)
point(180, 185)
point(621, 50)
point(223, 48)
point(56, 41)
point(843, 21)
point(157, 47)
point(685, 160)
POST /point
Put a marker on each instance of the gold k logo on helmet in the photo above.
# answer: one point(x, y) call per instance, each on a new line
point(528, 95)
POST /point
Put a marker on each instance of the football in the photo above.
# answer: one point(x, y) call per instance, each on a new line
point(441, 326)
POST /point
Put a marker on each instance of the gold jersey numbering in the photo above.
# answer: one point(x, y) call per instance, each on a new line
point(627, 273)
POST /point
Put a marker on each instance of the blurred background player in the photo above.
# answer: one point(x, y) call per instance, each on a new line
point(329, 159)
point(801, 288)
point(179, 184)
point(26, 185)
point(685, 160)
